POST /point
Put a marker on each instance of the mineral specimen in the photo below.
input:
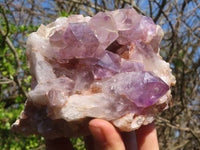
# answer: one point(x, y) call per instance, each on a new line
point(107, 66)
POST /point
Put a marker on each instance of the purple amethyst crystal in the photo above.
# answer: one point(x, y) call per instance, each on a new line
point(140, 87)
point(107, 66)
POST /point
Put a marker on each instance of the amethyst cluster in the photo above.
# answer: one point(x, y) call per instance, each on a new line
point(106, 66)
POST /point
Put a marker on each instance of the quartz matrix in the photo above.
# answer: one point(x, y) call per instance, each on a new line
point(106, 66)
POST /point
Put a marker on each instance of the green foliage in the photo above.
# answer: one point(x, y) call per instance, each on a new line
point(64, 14)
point(11, 98)
point(10, 140)
point(78, 143)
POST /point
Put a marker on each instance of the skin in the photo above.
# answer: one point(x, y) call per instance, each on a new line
point(106, 137)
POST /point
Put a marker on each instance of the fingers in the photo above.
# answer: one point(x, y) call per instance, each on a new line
point(58, 144)
point(105, 135)
point(108, 138)
point(147, 137)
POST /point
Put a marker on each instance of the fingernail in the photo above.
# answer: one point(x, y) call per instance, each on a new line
point(97, 134)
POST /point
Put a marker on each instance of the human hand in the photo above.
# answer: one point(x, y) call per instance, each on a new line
point(106, 137)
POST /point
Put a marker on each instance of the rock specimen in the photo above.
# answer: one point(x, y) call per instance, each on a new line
point(107, 66)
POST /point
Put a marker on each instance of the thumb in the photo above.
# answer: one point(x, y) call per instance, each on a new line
point(105, 135)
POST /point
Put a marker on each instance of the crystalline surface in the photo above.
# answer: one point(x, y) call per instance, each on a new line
point(133, 84)
point(106, 31)
point(107, 66)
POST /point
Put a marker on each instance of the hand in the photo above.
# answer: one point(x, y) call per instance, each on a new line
point(106, 137)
